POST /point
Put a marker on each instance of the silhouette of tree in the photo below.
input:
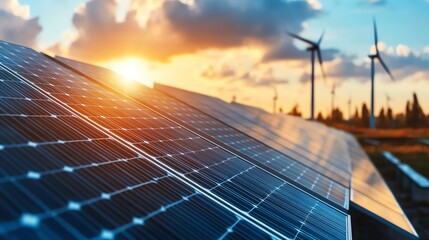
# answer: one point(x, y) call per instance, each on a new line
point(408, 120)
point(355, 119)
point(336, 115)
point(320, 117)
point(417, 115)
point(295, 111)
point(390, 121)
point(365, 116)
point(382, 120)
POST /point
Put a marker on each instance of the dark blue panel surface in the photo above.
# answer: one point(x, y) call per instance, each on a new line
point(62, 178)
point(258, 196)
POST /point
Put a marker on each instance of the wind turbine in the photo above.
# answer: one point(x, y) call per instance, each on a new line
point(373, 57)
point(349, 103)
point(332, 99)
point(388, 101)
point(314, 48)
point(275, 100)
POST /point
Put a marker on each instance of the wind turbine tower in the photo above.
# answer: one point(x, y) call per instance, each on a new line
point(275, 100)
point(314, 48)
point(373, 57)
point(349, 103)
point(388, 101)
point(333, 99)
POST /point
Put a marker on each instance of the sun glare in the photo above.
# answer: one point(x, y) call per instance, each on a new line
point(131, 70)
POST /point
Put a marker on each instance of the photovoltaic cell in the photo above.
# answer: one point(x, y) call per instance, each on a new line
point(60, 178)
point(256, 151)
point(265, 200)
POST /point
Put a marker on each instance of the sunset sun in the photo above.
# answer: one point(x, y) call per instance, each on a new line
point(131, 70)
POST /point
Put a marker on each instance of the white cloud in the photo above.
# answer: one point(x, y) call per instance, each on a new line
point(20, 28)
point(315, 4)
point(183, 27)
point(14, 7)
point(403, 50)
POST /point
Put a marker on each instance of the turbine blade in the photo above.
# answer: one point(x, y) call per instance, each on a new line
point(375, 36)
point(385, 67)
point(321, 38)
point(319, 56)
point(301, 38)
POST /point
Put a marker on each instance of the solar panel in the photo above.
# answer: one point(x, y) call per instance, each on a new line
point(369, 192)
point(252, 149)
point(252, 125)
point(60, 178)
point(253, 194)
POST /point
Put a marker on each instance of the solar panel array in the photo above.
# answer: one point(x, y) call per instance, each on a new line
point(336, 150)
point(287, 138)
point(369, 193)
point(62, 178)
point(334, 155)
point(81, 161)
point(253, 150)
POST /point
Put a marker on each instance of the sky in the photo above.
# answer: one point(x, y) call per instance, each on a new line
point(227, 48)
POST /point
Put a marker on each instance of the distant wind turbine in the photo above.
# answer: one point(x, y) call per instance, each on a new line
point(372, 57)
point(275, 100)
point(349, 103)
point(388, 101)
point(314, 48)
point(333, 98)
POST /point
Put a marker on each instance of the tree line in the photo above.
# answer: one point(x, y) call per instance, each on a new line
point(412, 117)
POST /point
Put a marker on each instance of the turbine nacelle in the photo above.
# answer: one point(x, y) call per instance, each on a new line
point(312, 48)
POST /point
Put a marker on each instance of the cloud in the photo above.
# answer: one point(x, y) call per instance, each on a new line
point(225, 23)
point(212, 73)
point(285, 49)
point(402, 50)
point(266, 80)
point(346, 68)
point(15, 8)
point(16, 25)
point(255, 77)
point(175, 28)
point(404, 63)
point(376, 3)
